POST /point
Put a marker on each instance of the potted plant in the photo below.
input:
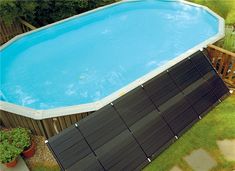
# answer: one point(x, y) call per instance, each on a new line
point(9, 154)
point(22, 139)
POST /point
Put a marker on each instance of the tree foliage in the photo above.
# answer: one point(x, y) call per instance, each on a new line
point(225, 8)
point(13, 9)
point(42, 12)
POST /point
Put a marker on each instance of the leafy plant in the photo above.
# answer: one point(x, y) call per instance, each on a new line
point(14, 9)
point(225, 8)
point(8, 152)
point(21, 138)
point(228, 42)
point(42, 12)
point(4, 135)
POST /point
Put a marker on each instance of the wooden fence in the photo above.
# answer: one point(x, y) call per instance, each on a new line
point(8, 31)
point(224, 62)
point(45, 127)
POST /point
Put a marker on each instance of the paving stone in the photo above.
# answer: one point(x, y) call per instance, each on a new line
point(227, 148)
point(200, 160)
point(21, 166)
point(176, 168)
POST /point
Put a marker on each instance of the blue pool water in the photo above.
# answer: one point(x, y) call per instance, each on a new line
point(87, 58)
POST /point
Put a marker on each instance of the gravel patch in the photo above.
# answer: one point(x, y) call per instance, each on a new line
point(42, 156)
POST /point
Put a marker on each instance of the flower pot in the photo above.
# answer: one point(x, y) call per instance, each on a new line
point(30, 151)
point(11, 164)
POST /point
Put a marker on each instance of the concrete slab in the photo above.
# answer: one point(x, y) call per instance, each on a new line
point(176, 168)
point(21, 166)
point(227, 148)
point(200, 160)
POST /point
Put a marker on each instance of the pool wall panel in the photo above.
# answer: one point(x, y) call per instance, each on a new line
point(132, 130)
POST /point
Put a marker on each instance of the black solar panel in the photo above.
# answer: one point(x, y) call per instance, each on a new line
point(201, 62)
point(101, 127)
point(178, 113)
point(197, 90)
point(121, 153)
point(181, 122)
point(161, 88)
point(134, 106)
point(205, 103)
point(152, 133)
point(70, 150)
point(184, 74)
point(88, 163)
point(144, 120)
point(140, 124)
point(205, 68)
point(217, 86)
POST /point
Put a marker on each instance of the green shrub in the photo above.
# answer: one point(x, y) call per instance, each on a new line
point(43, 12)
point(225, 8)
point(13, 142)
point(8, 152)
point(228, 42)
point(13, 9)
point(4, 135)
point(21, 138)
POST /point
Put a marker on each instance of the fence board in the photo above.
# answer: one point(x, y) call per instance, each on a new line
point(8, 115)
point(62, 123)
point(47, 127)
point(8, 31)
point(78, 117)
point(226, 66)
point(43, 131)
point(30, 125)
point(73, 119)
point(67, 121)
point(231, 74)
point(15, 119)
point(5, 120)
point(36, 128)
point(57, 124)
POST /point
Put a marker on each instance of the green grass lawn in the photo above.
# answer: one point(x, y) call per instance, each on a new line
point(219, 124)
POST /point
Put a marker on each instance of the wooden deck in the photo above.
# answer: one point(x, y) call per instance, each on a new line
point(224, 62)
point(8, 31)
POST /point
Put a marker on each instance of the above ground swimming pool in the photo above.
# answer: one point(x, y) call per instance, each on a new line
point(84, 62)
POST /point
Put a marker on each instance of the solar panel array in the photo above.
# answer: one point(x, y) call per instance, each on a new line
point(129, 132)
